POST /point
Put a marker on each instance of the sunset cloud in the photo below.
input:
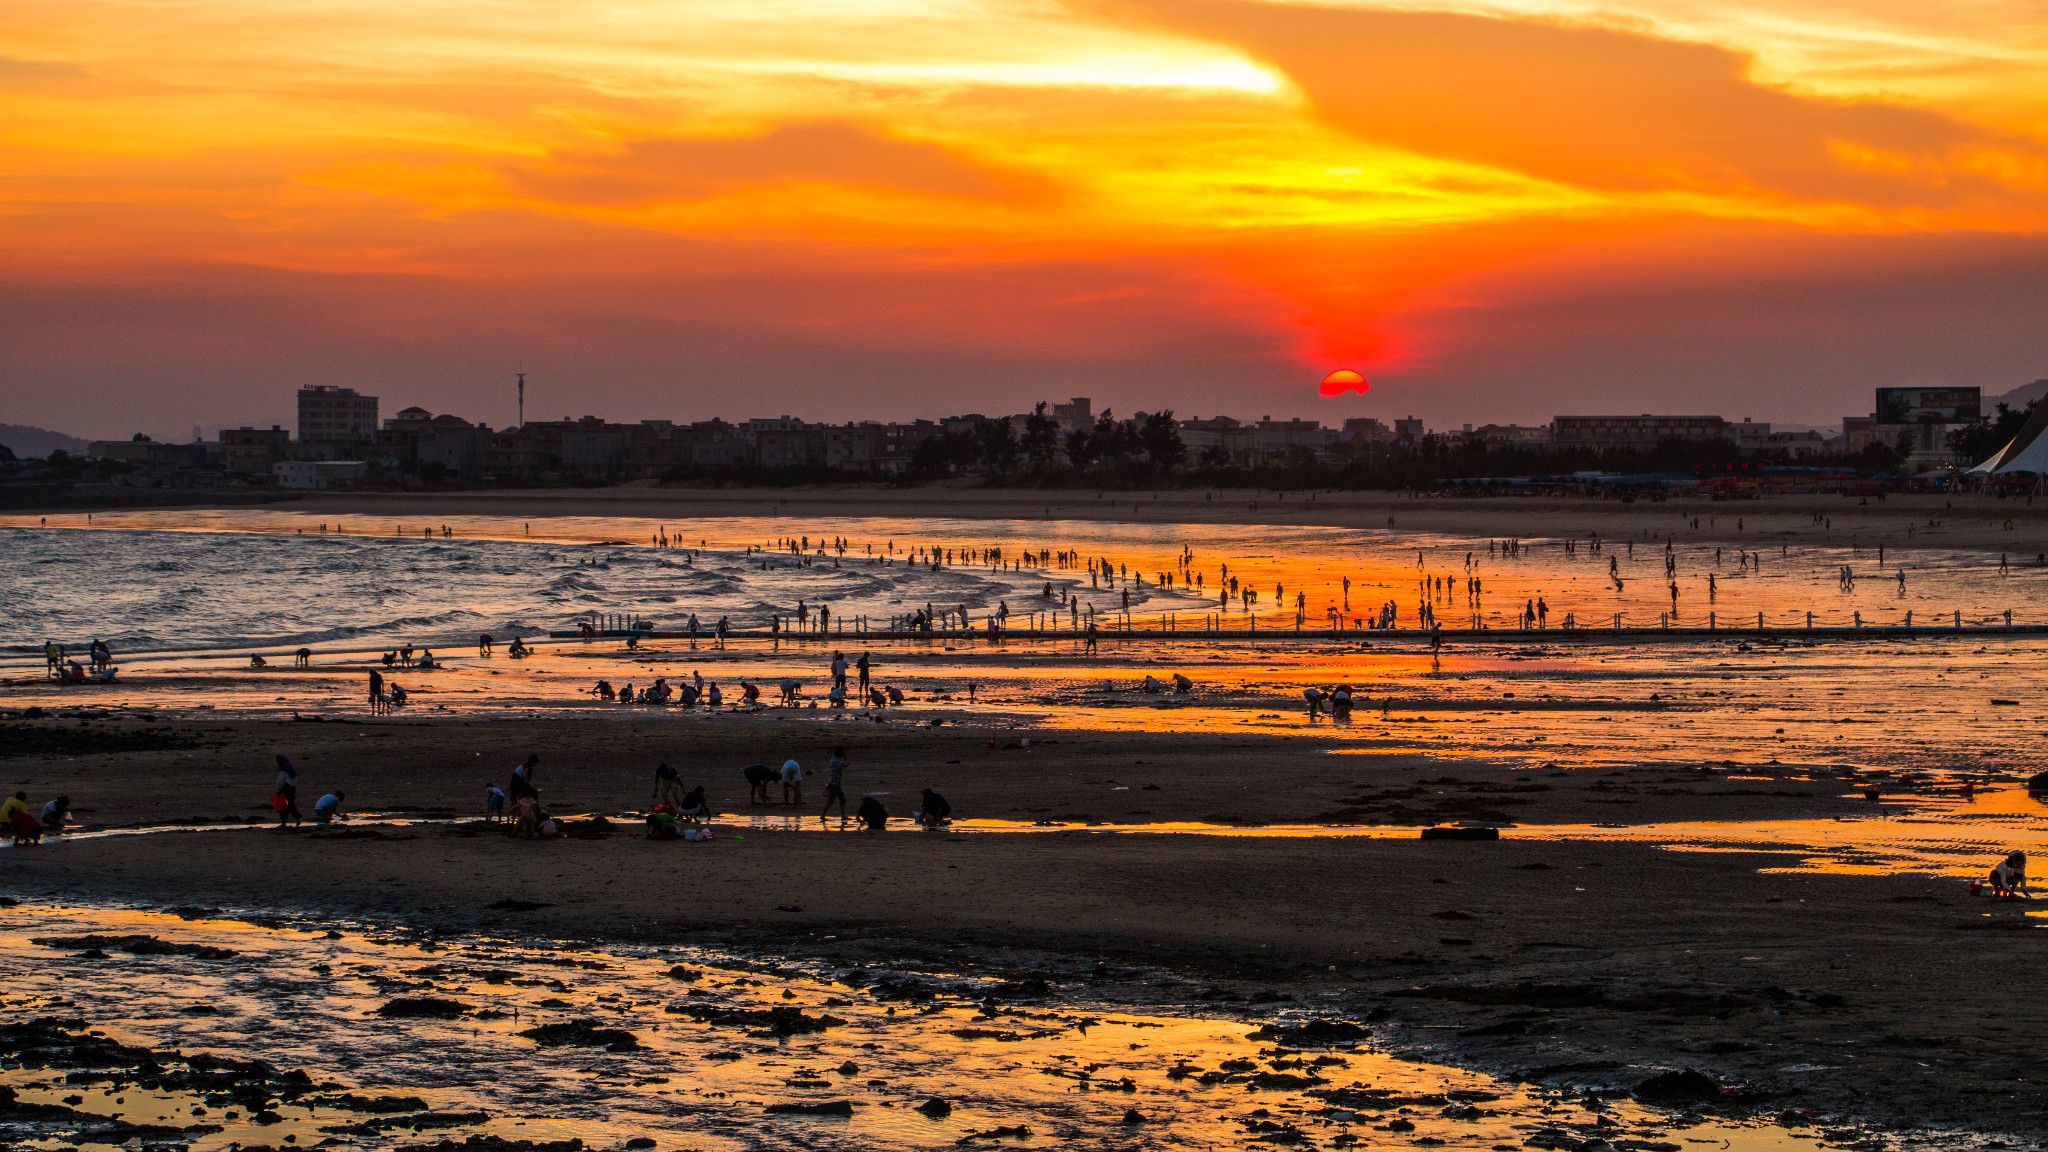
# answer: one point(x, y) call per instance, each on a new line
point(977, 203)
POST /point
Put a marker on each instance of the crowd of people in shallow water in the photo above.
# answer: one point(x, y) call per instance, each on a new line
point(61, 666)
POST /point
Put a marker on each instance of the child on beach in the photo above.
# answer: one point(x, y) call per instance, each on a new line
point(494, 803)
point(327, 809)
point(694, 808)
point(2009, 879)
point(26, 828)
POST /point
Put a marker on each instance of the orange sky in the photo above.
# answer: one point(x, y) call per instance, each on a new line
point(1501, 210)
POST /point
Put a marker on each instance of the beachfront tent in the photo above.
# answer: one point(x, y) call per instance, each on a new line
point(2027, 452)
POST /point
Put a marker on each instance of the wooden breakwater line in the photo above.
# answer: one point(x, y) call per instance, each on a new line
point(858, 631)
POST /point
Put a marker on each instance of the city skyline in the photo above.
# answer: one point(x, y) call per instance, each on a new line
point(1518, 209)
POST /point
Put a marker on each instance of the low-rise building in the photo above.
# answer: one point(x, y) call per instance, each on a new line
point(1635, 433)
point(312, 475)
point(786, 442)
point(1218, 437)
point(1532, 437)
point(335, 422)
point(253, 451)
point(1915, 419)
point(1278, 439)
point(868, 447)
point(1075, 415)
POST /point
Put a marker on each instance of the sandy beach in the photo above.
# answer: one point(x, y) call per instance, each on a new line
point(1690, 873)
point(1888, 998)
point(1960, 521)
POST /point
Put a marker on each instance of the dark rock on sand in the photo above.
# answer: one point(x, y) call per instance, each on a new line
point(121, 1132)
point(819, 1108)
point(937, 1107)
point(431, 1007)
point(372, 1105)
point(416, 1121)
point(1314, 1034)
point(640, 1142)
point(1453, 833)
point(582, 1034)
point(1133, 1116)
point(1031, 988)
point(1008, 1131)
point(1676, 1089)
point(51, 1042)
point(136, 946)
point(902, 988)
point(1282, 1082)
point(486, 1143)
point(787, 1020)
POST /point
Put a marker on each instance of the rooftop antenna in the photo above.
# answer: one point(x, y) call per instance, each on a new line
point(522, 401)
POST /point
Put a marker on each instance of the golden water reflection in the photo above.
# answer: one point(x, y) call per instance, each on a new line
point(1062, 1066)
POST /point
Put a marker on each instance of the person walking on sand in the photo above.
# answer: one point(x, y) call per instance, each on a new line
point(839, 670)
point(865, 667)
point(286, 801)
point(835, 786)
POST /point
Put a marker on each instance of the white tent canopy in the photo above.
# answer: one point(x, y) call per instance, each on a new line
point(2027, 452)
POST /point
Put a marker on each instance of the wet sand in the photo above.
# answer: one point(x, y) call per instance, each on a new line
point(1897, 999)
point(1961, 521)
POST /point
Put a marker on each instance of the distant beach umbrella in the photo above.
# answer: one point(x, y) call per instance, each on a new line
point(1344, 380)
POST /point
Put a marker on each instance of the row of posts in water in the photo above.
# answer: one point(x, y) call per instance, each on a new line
point(1211, 623)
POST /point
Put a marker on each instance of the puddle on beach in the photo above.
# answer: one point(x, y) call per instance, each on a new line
point(1935, 835)
point(693, 1048)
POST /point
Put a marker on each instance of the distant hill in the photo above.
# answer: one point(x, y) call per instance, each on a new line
point(27, 441)
point(2016, 399)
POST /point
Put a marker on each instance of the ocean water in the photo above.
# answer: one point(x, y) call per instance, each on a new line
point(240, 579)
point(185, 597)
